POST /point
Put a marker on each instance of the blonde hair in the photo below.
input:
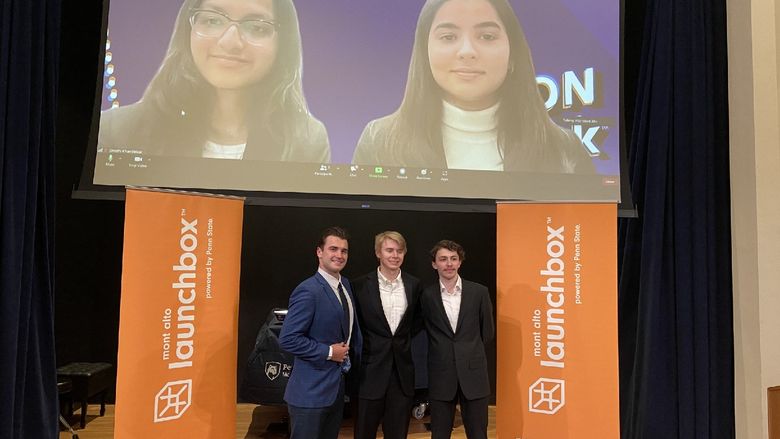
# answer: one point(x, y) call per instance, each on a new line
point(389, 234)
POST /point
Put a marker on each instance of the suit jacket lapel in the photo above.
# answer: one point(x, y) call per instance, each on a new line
point(376, 301)
point(440, 304)
point(465, 303)
point(345, 322)
point(408, 291)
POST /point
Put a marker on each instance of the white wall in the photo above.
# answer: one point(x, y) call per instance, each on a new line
point(754, 123)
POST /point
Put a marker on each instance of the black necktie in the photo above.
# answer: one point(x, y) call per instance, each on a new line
point(344, 305)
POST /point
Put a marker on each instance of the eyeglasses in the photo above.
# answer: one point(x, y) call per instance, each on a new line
point(213, 24)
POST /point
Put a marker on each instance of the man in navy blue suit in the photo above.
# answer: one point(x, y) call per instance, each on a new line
point(321, 330)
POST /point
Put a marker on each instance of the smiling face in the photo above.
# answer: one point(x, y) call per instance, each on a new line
point(390, 255)
point(447, 263)
point(228, 61)
point(468, 50)
point(333, 255)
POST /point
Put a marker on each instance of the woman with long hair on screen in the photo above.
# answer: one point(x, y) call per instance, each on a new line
point(229, 87)
point(471, 99)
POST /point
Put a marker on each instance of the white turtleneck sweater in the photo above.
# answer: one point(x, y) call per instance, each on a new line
point(213, 150)
point(470, 138)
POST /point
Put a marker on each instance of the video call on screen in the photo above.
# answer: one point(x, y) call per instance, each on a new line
point(489, 99)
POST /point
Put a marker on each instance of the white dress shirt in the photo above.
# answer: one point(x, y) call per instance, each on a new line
point(393, 296)
point(451, 301)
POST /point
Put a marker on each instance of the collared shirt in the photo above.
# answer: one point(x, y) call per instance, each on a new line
point(393, 296)
point(451, 301)
point(334, 285)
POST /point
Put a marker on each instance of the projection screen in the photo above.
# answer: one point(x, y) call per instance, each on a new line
point(472, 99)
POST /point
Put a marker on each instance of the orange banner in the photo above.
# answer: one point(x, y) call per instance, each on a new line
point(557, 362)
point(178, 323)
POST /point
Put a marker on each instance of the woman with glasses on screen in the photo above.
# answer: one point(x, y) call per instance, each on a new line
point(229, 87)
point(471, 99)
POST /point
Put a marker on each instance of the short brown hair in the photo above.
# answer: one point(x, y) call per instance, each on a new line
point(338, 232)
point(389, 234)
point(448, 245)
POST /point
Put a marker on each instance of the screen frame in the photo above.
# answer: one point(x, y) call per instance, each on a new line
point(84, 188)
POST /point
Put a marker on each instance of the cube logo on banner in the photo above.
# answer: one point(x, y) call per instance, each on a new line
point(547, 396)
point(172, 400)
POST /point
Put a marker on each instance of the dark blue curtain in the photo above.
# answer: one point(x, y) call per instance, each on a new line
point(676, 340)
point(29, 38)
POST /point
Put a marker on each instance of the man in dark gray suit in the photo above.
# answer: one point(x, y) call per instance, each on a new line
point(387, 307)
point(459, 319)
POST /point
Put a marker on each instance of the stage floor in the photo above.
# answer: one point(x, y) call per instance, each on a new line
point(255, 422)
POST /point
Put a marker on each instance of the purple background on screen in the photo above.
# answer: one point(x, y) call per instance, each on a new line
point(356, 56)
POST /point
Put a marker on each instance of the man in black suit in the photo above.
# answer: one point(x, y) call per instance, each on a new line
point(387, 307)
point(459, 319)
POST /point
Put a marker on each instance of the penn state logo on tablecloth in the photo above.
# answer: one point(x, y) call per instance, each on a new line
point(273, 369)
